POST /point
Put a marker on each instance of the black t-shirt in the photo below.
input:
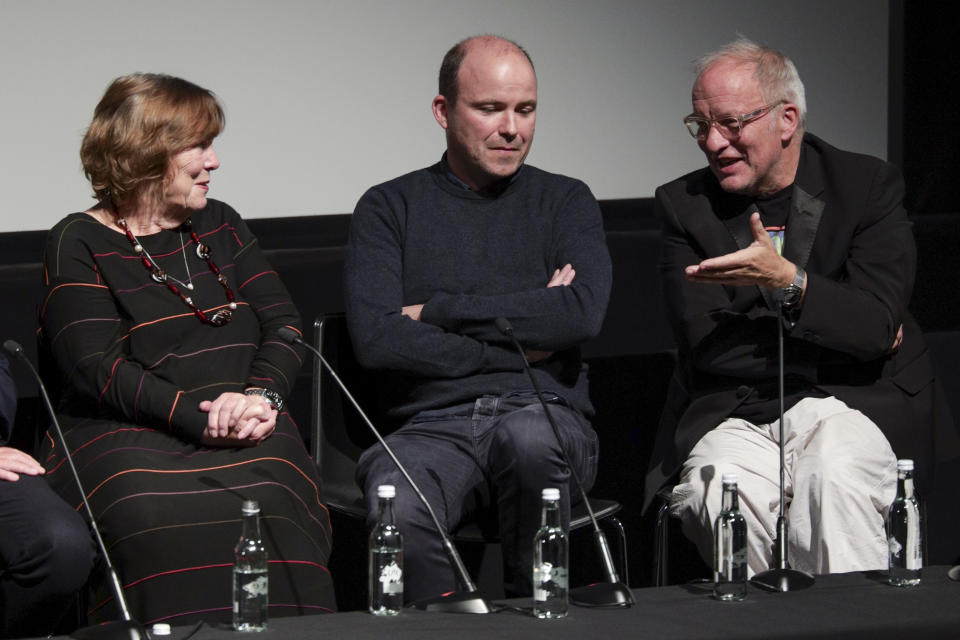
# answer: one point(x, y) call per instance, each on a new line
point(762, 406)
point(774, 210)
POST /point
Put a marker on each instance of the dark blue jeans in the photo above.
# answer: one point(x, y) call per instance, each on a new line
point(46, 554)
point(497, 452)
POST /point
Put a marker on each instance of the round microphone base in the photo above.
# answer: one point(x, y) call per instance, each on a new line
point(783, 580)
point(455, 602)
point(118, 630)
point(602, 594)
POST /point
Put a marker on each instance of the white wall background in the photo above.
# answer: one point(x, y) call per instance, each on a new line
point(326, 98)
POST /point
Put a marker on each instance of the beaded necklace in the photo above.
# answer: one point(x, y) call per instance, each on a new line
point(216, 319)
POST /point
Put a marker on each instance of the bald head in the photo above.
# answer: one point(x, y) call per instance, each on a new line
point(490, 125)
point(449, 85)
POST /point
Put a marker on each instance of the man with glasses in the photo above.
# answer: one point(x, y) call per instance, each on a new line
point(781, 224)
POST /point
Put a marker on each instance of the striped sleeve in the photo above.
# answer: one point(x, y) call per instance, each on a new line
point(276, 365)
point(89, 339)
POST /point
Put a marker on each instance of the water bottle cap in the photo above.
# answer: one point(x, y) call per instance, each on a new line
point(905, 465)
point(386, 491)
point(250, 507)
point(160, 629)
point(729, 478)
point(551, 494)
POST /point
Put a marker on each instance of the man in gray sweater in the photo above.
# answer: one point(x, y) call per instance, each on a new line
point(435, 257)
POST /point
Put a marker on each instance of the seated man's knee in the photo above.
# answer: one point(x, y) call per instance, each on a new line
point(60, 553)
point(695, 500)
point(845, 477)
point(698, 487)
point(525, 435)
point(407, 507)
point(839, 461)
point(74, 555)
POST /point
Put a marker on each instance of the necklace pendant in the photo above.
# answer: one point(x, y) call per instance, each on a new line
point(218, 319)
point(221, 317)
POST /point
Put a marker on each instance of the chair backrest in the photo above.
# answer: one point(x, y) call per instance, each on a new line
point(339, 434)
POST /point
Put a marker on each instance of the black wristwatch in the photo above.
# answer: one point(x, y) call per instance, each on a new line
point(791, 294)
point(271, 396)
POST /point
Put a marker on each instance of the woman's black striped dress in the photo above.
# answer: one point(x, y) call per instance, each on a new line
point(134, 364)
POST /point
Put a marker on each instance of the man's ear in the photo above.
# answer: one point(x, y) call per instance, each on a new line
point(789, 121)
point(440, 110)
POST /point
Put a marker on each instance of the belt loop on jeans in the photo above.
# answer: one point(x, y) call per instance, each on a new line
point(486, 407)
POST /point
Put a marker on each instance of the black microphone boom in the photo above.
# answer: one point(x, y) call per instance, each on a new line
point(128, 628)
point(467, 601)
point(612, 593)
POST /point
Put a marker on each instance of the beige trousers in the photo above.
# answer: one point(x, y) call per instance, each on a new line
point(840, 478)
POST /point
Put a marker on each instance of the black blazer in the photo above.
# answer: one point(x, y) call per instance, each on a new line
point(848, 229)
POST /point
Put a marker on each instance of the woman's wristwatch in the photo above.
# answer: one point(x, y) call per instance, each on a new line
point(271, 396)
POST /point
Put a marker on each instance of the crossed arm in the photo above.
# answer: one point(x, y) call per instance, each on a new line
point(449, 332)
point(560, 278)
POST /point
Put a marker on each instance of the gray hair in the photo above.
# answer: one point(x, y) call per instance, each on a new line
point(775, 72)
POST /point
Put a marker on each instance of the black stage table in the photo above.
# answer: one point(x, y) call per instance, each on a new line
point(852, 605)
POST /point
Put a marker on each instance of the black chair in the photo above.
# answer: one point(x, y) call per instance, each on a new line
point(339, 436)
point(661, 556)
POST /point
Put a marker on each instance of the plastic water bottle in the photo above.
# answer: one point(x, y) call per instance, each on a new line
point(903, 530)
point(550, 561)
point(730, 546)
point(250, 582)
point(386, 558)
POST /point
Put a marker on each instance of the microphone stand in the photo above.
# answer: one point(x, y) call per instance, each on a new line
point(128, 628)
point(469, 599)
point(781, 578)
point(612, 593)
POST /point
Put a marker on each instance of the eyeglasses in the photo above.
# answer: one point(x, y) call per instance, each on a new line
point(729, 127)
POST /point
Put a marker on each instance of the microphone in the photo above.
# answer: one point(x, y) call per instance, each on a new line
point(612, 593)
point(467, 601)
point(782, 577)
point(128, 628)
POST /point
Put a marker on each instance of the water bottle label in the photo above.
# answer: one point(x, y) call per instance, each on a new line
point(548, 581)
point(391, 578)
point(255, 588)
point(895, 547)
point(914, 559)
